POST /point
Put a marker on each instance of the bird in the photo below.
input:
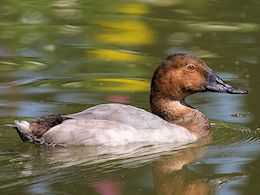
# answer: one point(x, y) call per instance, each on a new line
point(171, 119)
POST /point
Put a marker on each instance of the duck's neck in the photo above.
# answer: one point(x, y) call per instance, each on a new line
point(178, 112)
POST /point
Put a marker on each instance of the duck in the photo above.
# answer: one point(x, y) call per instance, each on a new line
point(171, 119)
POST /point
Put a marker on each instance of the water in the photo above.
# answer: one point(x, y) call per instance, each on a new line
point(63, 56)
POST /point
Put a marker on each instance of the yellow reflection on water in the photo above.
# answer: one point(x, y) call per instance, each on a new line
point(122, 84)
point(126, 32)
point(114, 55)
point(134, 8)
point(112, 84)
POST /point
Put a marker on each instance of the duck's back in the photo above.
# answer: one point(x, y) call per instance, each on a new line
point(126, 114)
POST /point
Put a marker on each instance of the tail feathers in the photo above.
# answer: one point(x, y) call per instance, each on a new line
point(33, 131)
point(23, 128)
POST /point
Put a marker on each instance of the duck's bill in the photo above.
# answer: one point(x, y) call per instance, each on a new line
point(216, 84)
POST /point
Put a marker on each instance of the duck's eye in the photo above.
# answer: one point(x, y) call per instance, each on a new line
point(190, 67)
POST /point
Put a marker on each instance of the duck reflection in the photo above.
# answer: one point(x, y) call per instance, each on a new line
point(97, 167)
point(171, 176)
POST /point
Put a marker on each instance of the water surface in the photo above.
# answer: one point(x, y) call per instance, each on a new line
point(66, 55)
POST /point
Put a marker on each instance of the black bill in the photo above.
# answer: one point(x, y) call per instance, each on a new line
point(216, 84)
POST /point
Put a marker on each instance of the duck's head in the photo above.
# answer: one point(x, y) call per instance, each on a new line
point(181, 75)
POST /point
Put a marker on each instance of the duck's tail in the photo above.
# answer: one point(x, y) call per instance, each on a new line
point(32, 131)
point(23, 129)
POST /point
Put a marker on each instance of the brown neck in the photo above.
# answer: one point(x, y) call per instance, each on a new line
point(180, 113)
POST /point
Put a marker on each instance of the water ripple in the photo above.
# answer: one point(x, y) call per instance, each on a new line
point(229, 134)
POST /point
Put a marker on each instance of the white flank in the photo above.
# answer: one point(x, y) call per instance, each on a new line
point(23, 127)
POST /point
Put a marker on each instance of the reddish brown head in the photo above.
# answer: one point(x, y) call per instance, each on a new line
point(181, 75)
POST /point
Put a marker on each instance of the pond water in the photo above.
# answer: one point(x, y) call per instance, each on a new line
point(63, 56)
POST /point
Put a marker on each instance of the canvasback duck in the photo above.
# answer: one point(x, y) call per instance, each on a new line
point(172, 120)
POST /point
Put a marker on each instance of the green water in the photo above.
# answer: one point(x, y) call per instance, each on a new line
point(66, 55)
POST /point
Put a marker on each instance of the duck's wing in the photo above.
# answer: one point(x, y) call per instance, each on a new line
point(91, 132)
point(116, 114)
point(126, 114)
